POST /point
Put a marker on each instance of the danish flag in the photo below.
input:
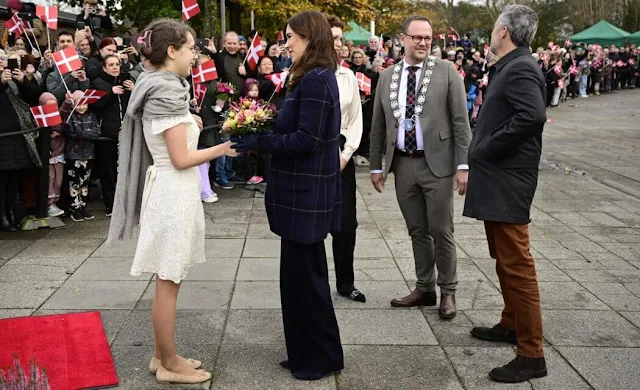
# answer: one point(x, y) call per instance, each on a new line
point(573, 69)
point(67, 60)
point(190, 8)
point(49, 15)
point(199, 92)
point(278, 79)
point(441, 36)
point(453, 36)
point(596, 63)
point(345, 64)
point(631, 62)
point(620, 64)
point(255, 52)
point(558, 68)
point(568, 43)
point(204, 72)
point(364, 83)
point(14, 25)
point(47, 115)
point(91, 96)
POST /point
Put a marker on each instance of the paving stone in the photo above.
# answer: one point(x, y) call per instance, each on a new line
point(97, 295)
point(260, 230)
point(228, 247)
point(194, 295)
point(221, 216)
point(256, 295)
point(370, 248)
point(69, 263)
point(456, 332)
point(214, 269)
point(107, 268)
point(381, 273)
point(259, 269)
point(603, 275)
point(384, 327)
point(259, 247)
point(198, 327)
point(603, 219)
point(112, 320)
point(249, 327)
point(10, 248)
point(26, 295)
point(394, 231)
point(633, 316)
point(560, 375)
point(256, 366)
point(546, 271)
point(118, 249)
point(605, 368)
point(407, 268)
point(26, 272)
point(476, 249)
point(77, 249)
point(225, 230)
point(13, 313)
point(394, 367)
point(633, 287)
point(557, 253)
point(230, 204)
point(88, 229)
point(473, 364)
point(626, 302)
point(567, 295)
point(132, 365)
point(379, 295)
point(573, 219)
point(589, 328)
point(605, 288)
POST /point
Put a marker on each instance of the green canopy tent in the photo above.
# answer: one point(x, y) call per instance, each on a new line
point(634, 38)
point(358, 34)
point(603, 33)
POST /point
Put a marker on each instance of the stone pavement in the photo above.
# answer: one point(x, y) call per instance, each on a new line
point(585, 239)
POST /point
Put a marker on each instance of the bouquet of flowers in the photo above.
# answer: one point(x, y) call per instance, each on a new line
point(223, 92)
point(248, 116)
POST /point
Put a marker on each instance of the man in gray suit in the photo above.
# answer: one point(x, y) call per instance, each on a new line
point(420, 121)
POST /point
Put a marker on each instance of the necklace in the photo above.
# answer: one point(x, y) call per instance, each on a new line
point(393, 95)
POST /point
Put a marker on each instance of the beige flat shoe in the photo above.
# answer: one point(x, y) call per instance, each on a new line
point(165, 376)
point(155, 363)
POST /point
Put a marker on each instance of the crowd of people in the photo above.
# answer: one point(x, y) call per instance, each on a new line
point(85, 148)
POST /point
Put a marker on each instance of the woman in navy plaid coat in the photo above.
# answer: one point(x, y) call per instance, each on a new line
point(303, 196)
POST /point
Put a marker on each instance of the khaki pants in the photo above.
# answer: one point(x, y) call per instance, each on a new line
point(509, 245)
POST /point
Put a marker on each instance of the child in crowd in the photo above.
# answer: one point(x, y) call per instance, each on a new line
point(80, 131)
point(252, 91)
point(471, 84)
point(56, 160)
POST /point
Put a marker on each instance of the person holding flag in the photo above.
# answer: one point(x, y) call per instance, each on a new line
point(18, 152)
point(37, 37)
point(344, 241)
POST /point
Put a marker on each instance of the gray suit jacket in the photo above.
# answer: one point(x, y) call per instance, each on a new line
point(444, 120)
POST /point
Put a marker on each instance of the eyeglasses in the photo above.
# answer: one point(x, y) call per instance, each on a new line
point(417, 39)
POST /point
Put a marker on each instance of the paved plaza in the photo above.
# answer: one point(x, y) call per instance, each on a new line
point(585, 239)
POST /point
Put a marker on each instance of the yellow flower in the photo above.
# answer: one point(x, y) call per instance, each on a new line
point(246, 103)
point(232, 114)
point(248, 119)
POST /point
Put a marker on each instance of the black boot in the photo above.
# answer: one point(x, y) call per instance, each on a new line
point(497, 333)
point(520, 369)
point(11, 216)
point(5, 224)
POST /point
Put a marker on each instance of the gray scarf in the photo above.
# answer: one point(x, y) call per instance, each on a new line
point(26, 121)
point(156, 94)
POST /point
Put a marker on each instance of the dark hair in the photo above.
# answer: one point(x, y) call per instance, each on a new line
point(335, 21)
point(107, 57)
point(164, 32)
point(313, 26)
point(261, 60)
point(415, 18)
point(63, 33)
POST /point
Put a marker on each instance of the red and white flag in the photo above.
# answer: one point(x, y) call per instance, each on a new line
point(597, 63)
point(199, 92)
point(91, 96)
point(574, 70)
point(255, 52)
point(558, 68)
point(204, 72)
point(485, 81)
point(278, 79)
point(453, 36)
point(67, 60)
point(14, 25)
point(620, 64)
point(487, 50)
point(47, 115)
point(280, 36)
point(345, 64)
point(49, 15)
point(190, 8)
point(568, 43)
point(441, 36)
point(364, 83)
point(463, 74)
point(631, 62)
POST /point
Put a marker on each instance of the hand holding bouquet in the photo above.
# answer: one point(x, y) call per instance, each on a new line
point(248, 116)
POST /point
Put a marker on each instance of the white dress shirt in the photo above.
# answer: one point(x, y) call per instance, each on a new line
point(402, 105)
point(351, 110)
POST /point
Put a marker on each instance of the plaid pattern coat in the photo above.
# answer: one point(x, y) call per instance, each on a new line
point(303, 197)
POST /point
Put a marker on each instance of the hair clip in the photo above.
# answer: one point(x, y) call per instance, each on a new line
point(145, 40)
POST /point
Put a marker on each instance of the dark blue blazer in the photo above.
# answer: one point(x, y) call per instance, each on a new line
point(303, 196)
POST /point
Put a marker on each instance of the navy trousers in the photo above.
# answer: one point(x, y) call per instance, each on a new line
point(310, 327)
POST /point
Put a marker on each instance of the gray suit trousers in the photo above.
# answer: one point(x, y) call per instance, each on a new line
point(426, 202)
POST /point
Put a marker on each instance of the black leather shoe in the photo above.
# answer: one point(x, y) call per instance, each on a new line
point(497, 333)
point(520, 369)
point(11, 216)
point(5, 224)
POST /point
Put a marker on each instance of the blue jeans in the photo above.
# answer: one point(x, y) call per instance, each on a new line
point(582, 85)
point(224, 165)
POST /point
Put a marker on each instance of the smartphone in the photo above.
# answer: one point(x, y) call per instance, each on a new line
point(120, 48)
point(126, 42)
point(281, 42)
point(80, 25)
point(201, 43)
point(12, 64)
point(26, 60)
point(11, 40)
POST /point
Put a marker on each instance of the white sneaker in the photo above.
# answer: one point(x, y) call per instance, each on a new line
point(54, 211)
point(211, 199)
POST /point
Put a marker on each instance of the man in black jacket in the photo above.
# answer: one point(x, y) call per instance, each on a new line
point(503, 176)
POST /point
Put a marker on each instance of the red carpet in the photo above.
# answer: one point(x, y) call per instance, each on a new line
point(73, 348)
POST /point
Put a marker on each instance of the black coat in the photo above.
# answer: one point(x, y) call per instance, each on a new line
point(267, 89)
point(505, 152)
point(93, 66)
point(13, 150)
point(110, 109)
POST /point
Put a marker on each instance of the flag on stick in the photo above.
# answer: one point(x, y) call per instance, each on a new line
point(255, 52)
point(49, 15)
point(204, 72)
point(67, 60)
point(278, 79)
point(47, 115)
point(190, 8)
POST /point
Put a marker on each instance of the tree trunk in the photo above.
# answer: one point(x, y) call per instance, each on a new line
point(235, 16)
point(210, 15)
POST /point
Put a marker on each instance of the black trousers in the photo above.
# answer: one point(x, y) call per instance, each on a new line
point(9, 189)
point(107, 166)
point(344, 241)
point(310, 326)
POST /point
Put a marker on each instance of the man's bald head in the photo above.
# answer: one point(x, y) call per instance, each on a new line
point(231, 42)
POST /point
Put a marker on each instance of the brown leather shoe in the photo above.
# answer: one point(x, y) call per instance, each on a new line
point(447, 308)
point(416, 298)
